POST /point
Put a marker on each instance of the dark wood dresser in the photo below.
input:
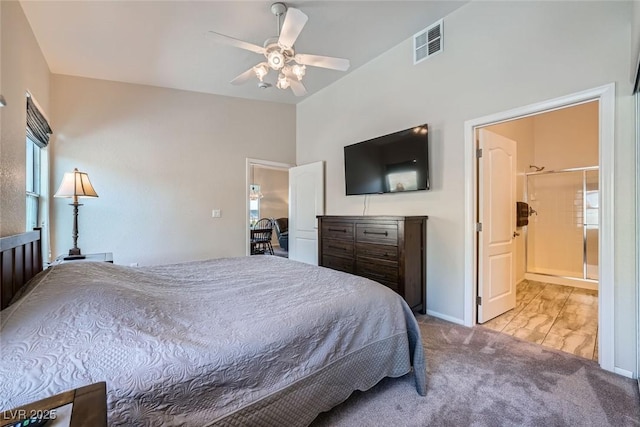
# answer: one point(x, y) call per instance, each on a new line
point(388, 249)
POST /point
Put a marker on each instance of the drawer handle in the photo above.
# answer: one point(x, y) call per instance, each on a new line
point(341, 230)
point(373, 254)
point(337, 247)
point(386, 233)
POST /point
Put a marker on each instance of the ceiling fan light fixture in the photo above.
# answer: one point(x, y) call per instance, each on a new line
point(275, 59)
point(280, 54)
point(299, 71)
point(283, 82)
point(261, 70)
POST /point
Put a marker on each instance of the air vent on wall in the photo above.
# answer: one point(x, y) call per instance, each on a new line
point(427, 42)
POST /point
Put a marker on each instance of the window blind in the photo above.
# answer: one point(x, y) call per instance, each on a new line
point(38, 128)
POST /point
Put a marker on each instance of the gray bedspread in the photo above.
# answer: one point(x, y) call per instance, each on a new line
point(254, 340)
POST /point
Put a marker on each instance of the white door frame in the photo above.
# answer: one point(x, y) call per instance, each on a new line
point(606, 97)
point(264, 163)
point(637, 115)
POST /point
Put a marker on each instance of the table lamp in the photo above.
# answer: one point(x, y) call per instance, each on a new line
point(74, 185)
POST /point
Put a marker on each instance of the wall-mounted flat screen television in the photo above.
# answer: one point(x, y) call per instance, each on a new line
point(388, 164)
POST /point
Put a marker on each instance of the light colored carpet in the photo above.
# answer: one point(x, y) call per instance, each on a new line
point(478, 377)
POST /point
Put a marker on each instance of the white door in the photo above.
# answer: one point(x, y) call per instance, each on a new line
point(496, 210)
point(306, 200)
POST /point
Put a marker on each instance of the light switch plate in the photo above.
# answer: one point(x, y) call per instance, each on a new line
point(216, 213)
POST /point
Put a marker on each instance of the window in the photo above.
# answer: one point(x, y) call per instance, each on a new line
point(254, 204)
point(38, 133)
point(33, 175)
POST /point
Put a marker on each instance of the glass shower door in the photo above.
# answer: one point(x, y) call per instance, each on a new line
point(591, 224)
point(556, 232)
point(563, 233)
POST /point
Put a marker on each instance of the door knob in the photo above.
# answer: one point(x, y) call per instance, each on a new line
point(515, 234)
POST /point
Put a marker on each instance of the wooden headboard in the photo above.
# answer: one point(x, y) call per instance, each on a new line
point(20, 260)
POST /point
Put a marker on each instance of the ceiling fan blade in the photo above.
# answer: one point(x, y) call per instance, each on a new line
point(293, 24)
point(230, 41)
point(297, 87)
point(244, 77)
point(339, 64)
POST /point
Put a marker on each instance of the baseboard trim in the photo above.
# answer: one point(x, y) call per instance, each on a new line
point(564, 281)
point(446, 317)
point(623, 372)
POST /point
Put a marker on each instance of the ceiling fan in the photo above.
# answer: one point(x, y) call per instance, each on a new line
point(280, 54)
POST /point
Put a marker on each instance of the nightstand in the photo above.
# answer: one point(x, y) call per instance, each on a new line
point(82, 407)
point(101, 257)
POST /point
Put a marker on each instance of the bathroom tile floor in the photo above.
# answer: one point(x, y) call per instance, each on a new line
point(560, 317)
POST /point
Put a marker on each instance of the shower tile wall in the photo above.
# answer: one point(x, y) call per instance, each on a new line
point(555, 234)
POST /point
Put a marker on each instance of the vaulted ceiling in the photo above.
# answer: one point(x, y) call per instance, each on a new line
point(164, 43)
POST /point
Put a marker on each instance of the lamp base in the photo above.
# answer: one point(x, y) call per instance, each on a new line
point(74, 253)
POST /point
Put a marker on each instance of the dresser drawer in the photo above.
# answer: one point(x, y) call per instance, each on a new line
point(390, 250)
point(338, 263)
point(384, 252)
point(337, 230)
point(381, 234)
point(383, 272)
point(337, 247)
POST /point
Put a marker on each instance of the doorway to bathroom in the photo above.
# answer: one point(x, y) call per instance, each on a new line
point(476, 293)
point(555, 240)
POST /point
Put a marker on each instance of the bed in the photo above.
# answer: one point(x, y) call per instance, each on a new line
point(256, 340)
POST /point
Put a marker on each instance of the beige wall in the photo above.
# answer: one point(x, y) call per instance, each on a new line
point(274, 185)
point(160, 160)
point(495, 58)
point(567, 138)
point(23, 69)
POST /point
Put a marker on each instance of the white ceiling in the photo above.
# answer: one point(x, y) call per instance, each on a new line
point(163, 43)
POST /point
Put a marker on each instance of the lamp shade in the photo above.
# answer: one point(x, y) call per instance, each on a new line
point(75, 184)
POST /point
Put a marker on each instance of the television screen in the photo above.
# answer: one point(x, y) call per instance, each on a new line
point(388, 164)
